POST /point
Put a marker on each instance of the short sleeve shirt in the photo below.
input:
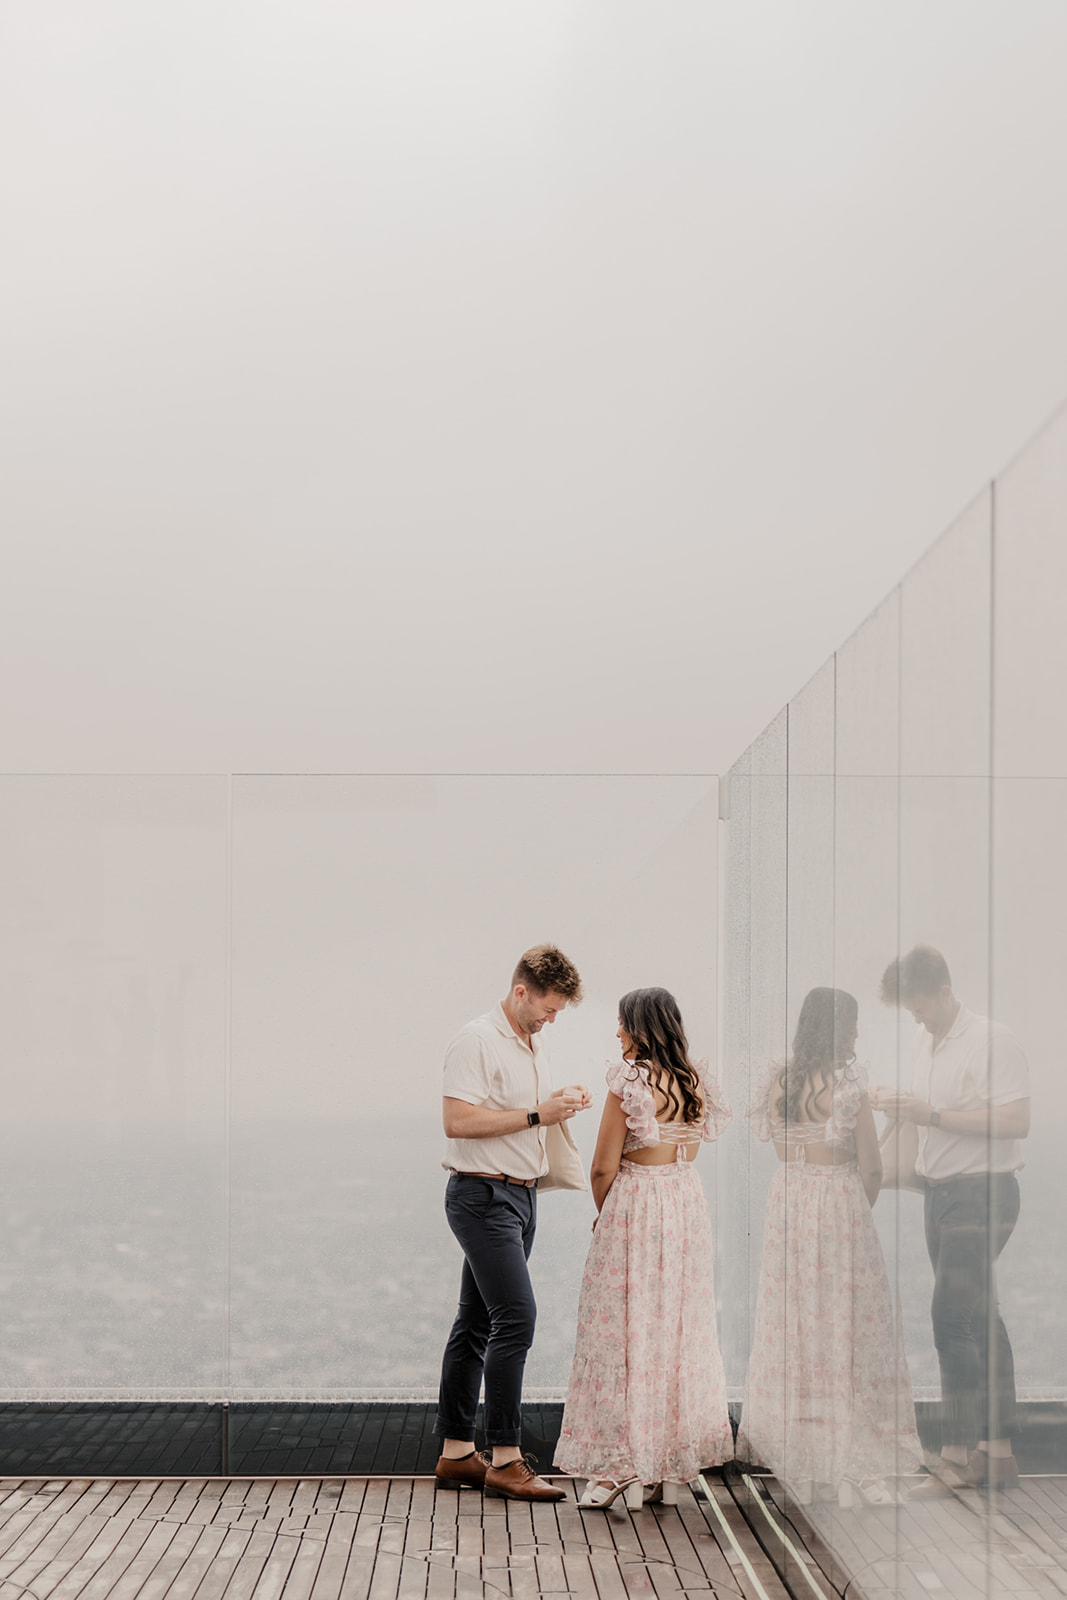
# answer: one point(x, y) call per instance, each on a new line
point(489, 1064)
point(978, 1063)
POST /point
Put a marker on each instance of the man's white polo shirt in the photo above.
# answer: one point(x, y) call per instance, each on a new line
point(489, 1064)
point(978, 1063)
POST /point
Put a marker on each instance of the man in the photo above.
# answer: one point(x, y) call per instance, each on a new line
point(498, 1099)
point(971, 1102)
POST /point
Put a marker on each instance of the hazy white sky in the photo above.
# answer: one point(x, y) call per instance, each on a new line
point(498, 385)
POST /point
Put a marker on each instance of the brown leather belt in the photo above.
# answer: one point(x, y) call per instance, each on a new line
point(500, 1177)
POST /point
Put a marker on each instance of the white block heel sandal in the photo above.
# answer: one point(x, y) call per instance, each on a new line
point(603, 1492)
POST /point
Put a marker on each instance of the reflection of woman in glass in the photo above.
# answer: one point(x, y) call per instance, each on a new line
point(646, 1404)
point(828, 1401)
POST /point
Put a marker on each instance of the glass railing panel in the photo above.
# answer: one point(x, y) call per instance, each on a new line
point(737, 1265)
point(114, 1029)
point(1030, 640)
point(945, 621)
point(867, 694)
point(768, 756)
point(755, 1015)
point(372, 918)
point(811, 725)
point(1029, 957)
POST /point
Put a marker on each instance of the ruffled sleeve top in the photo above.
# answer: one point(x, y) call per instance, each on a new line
point(850, 1086)
point(629, 1081)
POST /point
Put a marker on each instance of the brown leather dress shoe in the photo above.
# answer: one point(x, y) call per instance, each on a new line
point(518, 1481)
point(466, 1472)
point(992, 1472)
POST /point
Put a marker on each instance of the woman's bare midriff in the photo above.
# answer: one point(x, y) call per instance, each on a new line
point(658, 1155)
point(815, 1153)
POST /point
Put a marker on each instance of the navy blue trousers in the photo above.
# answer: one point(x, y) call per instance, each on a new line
point(968, 1222)
point(494, 1327)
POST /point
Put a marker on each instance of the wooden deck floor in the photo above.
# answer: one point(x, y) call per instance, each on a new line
point(969, 1546)
point(360, 1539)
point(402, 1539)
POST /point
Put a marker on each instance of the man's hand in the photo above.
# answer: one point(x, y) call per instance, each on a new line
point(905, 1107)
point(1011, 1121)
point(577, 1088)
point(564, 1103)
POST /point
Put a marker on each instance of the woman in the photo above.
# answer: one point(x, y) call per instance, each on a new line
point(646, 1404)
point(828, 1403)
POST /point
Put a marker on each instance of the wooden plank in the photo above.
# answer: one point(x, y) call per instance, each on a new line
point(604, 1567)
point(278, 1502)
point(168, 1569)
point(355, 1585)
point(13, 1493)
point(440, 1581)
point(25, 1527)
point(578, 1574)
point(55, 1555)
point(679, 1546)
point(522, 1538)
point(414, 1573)
point(654, 1548)
point(445, 1529)
point(375, 1496)
point(329, 1495)
point(305, 1569)
point(335, 1555)
point(165, 1500)
point(228, 1552)
point(274, 1574)
point(388, 1568)
point(47, 1532)
point(115, 1497)
point(248, 1568)
point(106, 1559)
point(109, 1533)
point(130, 1565)
point(629, 1553)
point(305, 1494)
point(208, 1508)
point(470, 1539)
point(199, 1561)
point(496, 1546)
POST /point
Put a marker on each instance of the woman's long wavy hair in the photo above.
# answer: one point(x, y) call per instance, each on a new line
point(652, 1019)
point(826, 1030)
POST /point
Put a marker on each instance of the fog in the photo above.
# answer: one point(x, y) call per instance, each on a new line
point(422, 387)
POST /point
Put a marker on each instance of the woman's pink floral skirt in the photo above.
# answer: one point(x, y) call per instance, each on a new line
point(647, 1394)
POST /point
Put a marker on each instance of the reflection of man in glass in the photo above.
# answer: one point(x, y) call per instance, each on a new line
point(498, 1099)
point(970, 1101)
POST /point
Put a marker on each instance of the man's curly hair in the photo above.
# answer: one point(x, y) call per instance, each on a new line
point(546, 970)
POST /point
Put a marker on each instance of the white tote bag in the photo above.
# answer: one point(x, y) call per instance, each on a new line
point(565, 1169)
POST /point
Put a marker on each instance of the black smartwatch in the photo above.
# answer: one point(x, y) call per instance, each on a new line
point(533, 1119)
point(935, 1119)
